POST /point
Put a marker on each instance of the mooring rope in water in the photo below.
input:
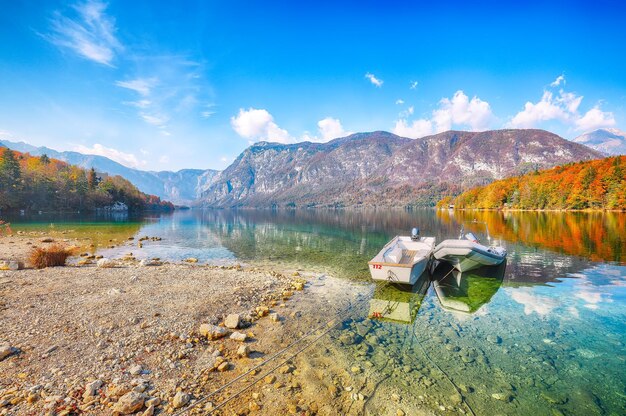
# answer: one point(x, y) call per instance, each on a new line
point(273, 357)
point(270, 371)
point(458, 390)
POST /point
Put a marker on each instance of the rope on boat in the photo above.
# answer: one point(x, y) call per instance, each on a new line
point(328, 323)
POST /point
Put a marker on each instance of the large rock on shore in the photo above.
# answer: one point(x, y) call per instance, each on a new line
point(213, 332)
point(238, 336)
point(129, 403)
point(232, 321)
point(5, 351)
point(91, 389)
point(11, 265)
point(180, 400)
point(106, 263)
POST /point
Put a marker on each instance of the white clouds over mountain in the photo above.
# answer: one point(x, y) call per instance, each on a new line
point(331, 128)
point(474, 114)
point(126, 159)
point(258, 124)
point(563, 107)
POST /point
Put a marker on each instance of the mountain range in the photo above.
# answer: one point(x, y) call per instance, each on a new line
point(363, 169)
point(182, 187)
point(611, 142)
point(382, 169)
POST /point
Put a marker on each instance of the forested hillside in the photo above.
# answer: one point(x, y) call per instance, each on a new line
point(42, 183)
point(595, 184)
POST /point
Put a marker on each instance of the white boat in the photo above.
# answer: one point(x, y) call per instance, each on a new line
point(467, 253)
point(403, 259)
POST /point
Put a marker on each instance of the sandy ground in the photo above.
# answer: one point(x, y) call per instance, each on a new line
point(128, 339)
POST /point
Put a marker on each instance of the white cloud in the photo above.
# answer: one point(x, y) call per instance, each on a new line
point(142, 86)
point(407, 113)
point(562, 107)
point(169, 87)
point(375, 81)
point(413, 85)
point(139, 104)
point(164, 159)
point(331, 128)
point(127, 159)
point(414, 130)
point(155, 120)
point(548, 108)
point(399, 101)
point(328, 128)
point(90, 34)
point(208, 112)
point(258, 124)
point(595, 119)
point(6, 135)
point(558, 81)
point(459, 110)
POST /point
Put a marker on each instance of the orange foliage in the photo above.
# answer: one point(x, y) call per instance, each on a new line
point(595, 184)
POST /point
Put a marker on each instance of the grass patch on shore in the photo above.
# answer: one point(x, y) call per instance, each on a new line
point(52, 256)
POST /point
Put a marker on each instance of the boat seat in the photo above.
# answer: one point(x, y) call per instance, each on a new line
point(407, 256)
point(394, 256)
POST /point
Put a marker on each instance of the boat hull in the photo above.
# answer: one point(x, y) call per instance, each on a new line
point(398, 274)
point(465, 255)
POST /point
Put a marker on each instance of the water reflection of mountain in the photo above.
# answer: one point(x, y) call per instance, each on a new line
point(466, 292)
point(398, 303)
point(341, 242)
point(597, 236)
point(338, 241)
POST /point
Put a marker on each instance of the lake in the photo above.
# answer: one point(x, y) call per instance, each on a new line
point(544, 334)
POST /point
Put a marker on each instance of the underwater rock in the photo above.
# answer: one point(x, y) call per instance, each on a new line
point(553, 398)
point(494, 339)
point(347, 338)
point(456, 399)
point(362, 330)
point(502, 397)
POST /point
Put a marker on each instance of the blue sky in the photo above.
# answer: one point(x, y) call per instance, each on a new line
point(167, 86)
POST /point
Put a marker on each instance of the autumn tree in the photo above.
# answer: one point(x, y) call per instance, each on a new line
point(92, 179)
point(10, 179)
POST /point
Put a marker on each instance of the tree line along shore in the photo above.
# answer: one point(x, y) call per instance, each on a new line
point(45, 184)
point(590, 185)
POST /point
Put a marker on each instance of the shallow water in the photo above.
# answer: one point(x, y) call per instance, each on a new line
point(544, 335)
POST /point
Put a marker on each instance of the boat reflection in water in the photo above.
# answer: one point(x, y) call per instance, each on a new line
point(398, 303)
point(467, 292)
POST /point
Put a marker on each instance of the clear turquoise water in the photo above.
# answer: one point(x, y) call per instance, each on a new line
point(546, 336)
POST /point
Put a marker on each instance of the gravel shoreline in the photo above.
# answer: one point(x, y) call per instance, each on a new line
point(136, 339)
